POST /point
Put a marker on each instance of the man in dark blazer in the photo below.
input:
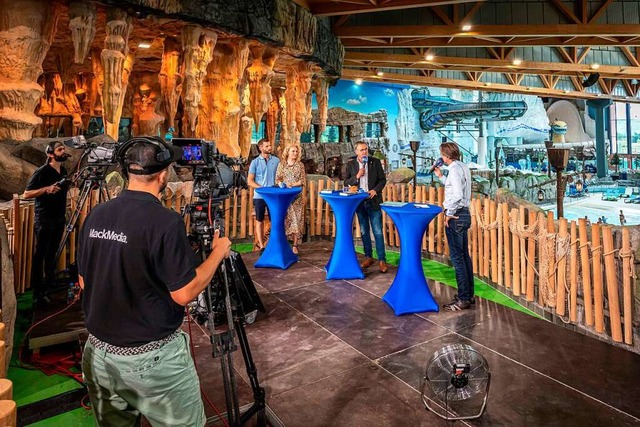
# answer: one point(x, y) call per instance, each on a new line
point(366, 172)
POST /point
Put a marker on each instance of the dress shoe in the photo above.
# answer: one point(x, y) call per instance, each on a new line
point(368, 262)
point(383, 267)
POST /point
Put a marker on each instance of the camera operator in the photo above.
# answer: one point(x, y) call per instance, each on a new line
point(138, 271)
point(48, 186)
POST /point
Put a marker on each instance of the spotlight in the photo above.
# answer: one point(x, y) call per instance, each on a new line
point(466, 27)
point(358, 82)
point(429, 57)
point(487, 84)
point(517, 61)
point(144, 45)
point(595, 66)
point(379, 73)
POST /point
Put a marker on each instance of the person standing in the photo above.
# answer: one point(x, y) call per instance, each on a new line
point(623, 220)
point(367, 173)
point(138, 271)
point(457, 197)
point(47, 186)
point(291, 172)
point(262, 173)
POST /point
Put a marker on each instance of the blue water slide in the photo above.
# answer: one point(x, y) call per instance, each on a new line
point(437, 111)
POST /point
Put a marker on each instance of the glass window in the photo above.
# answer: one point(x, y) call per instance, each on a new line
point(372, 130)
point(330, 134)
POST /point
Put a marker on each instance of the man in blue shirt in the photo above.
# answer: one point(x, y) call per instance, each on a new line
point(262, 173)
point(457, 220)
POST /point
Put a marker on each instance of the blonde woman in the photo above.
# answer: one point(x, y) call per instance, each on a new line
point(291, 172)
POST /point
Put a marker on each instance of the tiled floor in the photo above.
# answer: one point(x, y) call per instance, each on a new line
point(332, 353)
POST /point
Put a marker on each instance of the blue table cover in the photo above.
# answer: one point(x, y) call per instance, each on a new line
point(277, 253)
point(409, 292)
point(343, 263)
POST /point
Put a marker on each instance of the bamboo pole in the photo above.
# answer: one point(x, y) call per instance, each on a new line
point(507, 244)
point(243, 213)
point(551, 228)
point(6, 389)
point(523, 250)
point(531, 259)
point(250, 213)
point(396, 237)
point(561, 272)
point(8, 413)
point(500, 246)
point(627, 274)
point(440, 218)
point(327, 214)
point(494, 242)
point(234, 215)
point(30, 240)
point(319, 208)
point(586, 272)
point(515, 254)
point(432, 225)
point(573, 268)
point(612, 284)
point(313, 194)
point(333, 217)
point(486, 237)
point(596, 258)
point(480, 238)
point(17, 241)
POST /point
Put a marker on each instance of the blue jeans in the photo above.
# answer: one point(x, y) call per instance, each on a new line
point(458, 240)
point(371, 218)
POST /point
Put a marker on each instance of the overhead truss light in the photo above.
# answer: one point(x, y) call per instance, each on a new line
point(429, 57)
point(517, 61)
point(466, 27)
point(595, 66)
point(358, 82)
point(144, 45)
point(379, 73)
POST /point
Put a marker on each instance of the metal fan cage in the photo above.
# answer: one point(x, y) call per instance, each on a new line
point(452, 392)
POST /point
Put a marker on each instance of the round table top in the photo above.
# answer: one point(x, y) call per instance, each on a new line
point(411, 208)
point(278, 190)
point(338, 194)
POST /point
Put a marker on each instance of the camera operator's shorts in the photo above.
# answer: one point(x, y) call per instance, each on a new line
point(260, 206)
point(161, 384)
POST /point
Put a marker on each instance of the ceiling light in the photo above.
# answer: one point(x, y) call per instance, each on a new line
point(517, 61)
point(595, 66)
point(487, 84)
point(144, 45)
point(528, 88)
point(466, 27)
point(566, 91)
point(379, 73)
point(429, 57)
point(358, 82)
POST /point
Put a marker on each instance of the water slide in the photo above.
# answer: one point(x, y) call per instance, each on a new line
point(437, 111)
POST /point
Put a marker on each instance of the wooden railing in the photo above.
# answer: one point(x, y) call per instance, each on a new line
point(556, 265)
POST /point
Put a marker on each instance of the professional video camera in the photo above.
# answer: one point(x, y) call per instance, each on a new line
point(96, 154)
point(230, 298)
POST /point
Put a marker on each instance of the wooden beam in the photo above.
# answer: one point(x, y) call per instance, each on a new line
point(577, 84)
point(471, 12)
point(599, 12)
point(440, 14)
point(584, 11)
point(566, 12)
point(340, 8)
point(627, 88)
point(583, 55)
point(567, 58)
point(466, 84)
point(341, 20)
point(630, 57)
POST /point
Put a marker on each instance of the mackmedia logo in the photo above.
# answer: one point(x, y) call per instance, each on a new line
point(108, 235)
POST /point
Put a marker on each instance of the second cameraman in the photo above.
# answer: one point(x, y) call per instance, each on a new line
point(138, 271)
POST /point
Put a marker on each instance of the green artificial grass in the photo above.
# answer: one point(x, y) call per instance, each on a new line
point(444, 274)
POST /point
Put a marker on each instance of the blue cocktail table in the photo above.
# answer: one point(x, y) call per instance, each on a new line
point(277, 253)
point(409, 292)
point(343, 263)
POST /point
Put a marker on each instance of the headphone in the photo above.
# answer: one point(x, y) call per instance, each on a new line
point(161, 157)
point(51, 147)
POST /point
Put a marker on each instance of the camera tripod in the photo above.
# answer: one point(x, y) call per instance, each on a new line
point(223, 343)
point(94, 178)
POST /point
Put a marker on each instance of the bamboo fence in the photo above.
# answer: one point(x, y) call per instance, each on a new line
point(579, 272)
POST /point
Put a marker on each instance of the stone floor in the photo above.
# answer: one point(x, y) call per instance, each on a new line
point(332, 353)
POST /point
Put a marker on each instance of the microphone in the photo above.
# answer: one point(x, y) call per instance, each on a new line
point(365, 159)
point(437, 164)
point(76, 142)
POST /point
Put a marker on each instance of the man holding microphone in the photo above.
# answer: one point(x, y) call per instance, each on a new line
point(457, 197)
point(367, 173)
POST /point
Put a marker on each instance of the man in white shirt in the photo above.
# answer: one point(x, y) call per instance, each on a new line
point(457, 197)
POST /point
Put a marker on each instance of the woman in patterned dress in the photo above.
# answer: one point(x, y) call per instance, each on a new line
point(291, 172)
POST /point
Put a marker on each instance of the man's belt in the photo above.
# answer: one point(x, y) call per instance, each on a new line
point(132, 351)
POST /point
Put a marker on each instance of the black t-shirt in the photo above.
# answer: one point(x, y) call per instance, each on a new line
point(49, 206)
point(132, 252)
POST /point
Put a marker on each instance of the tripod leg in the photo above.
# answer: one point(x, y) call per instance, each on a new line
point(86, 190)
point(258, 392)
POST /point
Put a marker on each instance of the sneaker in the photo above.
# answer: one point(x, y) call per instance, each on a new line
point(383, 267)
point(472, 300)
point(457, 305)
point(368, 262)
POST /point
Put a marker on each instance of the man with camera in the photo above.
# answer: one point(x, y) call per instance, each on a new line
point(138, 271)
point(367, 173)
point(262, 173)
point(48, 185)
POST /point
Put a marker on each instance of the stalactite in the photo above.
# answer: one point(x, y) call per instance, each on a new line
point(298, 101)
point(171, 79)
point(244, 138)
point(321, 89)
point(198, 45)
point(97, 83)
point(273, 114)
point(86, 96)
point(82, 23)
point(146, 97)
point(223, 87)
point(27, 28)
point(68, 104)
point(259, 75)
point(117, 64)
